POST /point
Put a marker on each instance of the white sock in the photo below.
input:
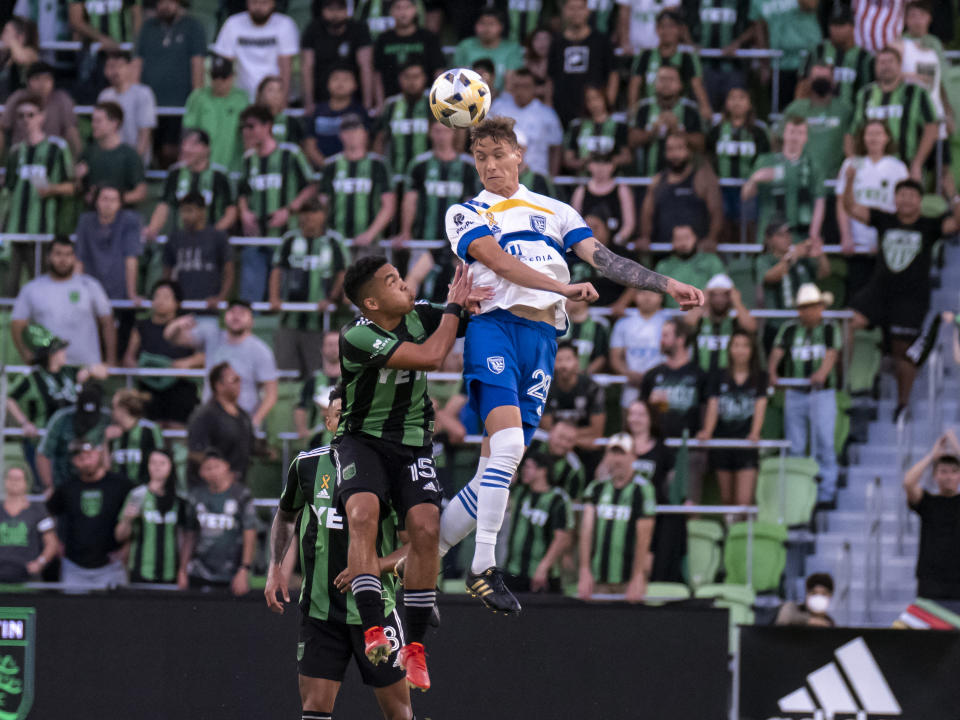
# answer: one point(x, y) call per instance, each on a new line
point(506, 451)
point(459, 517)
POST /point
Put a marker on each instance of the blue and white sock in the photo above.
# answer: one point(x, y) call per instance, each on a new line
point(506, 451)
point(459, 517)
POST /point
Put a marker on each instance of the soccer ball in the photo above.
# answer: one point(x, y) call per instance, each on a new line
point(459, 98)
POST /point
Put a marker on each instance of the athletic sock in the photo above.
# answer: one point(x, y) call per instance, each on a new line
point(368, 594)
point(459, 517)
point(506, 450)
point(418, 606)
point(313, 715)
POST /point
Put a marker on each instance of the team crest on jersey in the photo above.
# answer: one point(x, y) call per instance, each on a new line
point(538, 223)
point(496, 364)
point(230, 507)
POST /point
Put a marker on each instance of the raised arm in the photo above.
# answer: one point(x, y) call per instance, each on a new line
point(850, 206)
point(633, 274)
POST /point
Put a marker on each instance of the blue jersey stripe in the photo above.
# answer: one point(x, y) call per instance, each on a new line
point(530, 236)
point(478, 203)
point(576, 235)
point(467, 238)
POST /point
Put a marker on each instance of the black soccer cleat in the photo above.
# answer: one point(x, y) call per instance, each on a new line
point(489, 587)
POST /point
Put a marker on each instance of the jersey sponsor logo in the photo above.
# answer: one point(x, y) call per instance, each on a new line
point(328, 517)
point(535, 516)
point(885, 112)
point(496, 364)
point(102, 7)
point(409, 126)
point(33, 173)
point(607, 511)
point(267, 181)
point(460, 222)
point(91, 502)
point(349, 471)
point(900, 248)
point(17, 650)
point(805, 353)
point(352, 186)
point(775, 7)
point(844, 75)
point(445, 189)
point(595, 143)
point(738, 148)
point(712, 343)
point(538, 223)
point(718, 16)
point(122, 456)
point(216, 521)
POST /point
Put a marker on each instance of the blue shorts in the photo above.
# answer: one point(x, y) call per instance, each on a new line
point(515, 357)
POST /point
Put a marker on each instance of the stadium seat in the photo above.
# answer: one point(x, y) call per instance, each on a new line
point(836, 282)
point(659, 593)
point(737, 600)
point(742, 271)
point(704, 539)
point(769, 555)
point(841, 430)
point(773, 419)
point(800, 488)
point(865, 361)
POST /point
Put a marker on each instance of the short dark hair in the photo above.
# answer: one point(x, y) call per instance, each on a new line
point(336, 392)
point(411, 63)
point(498, 129)
point(908, 183)
point(821, 579)
point(669, 14)
point(98, 191)
point(202, 136)
point(524, 73)
point(681, 329)
point(216, 373)
point(489, 11)
point(30, 99)
point(259, 113)
point(566, 345)
point(946, 460)
point(919, 5)
point(60, 240)
point(174, 288)
point(795, 120)
point(111, 109)
point(193, 198)
point(116, 55)
point(538, 458)
point(358, 275)
point(340, 67)
point(486, 65)
point(39, 68)
point(890, 50)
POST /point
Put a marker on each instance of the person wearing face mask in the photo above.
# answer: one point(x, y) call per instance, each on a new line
point(938, 563)
point(813, 611)
point(827, 117)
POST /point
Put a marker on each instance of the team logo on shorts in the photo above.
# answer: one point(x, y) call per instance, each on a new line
point(538, 223)
point(496, 364)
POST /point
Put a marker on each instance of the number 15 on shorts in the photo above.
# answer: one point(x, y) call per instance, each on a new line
point(540, 389)
point(423, 470)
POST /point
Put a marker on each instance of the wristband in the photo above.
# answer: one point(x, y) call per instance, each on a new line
point(453, 309)
point(245, 566)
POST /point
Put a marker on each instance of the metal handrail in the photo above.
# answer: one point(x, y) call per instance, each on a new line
point(904, 462)
point(872, 546)
point(844, 582)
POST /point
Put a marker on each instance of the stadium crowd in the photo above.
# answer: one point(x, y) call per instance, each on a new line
point(283, 154)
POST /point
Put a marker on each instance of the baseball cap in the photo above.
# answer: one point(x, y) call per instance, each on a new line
point(221, 67)
point(79, 445)
point(720, 281)
point(622, 442)
point(39, 340)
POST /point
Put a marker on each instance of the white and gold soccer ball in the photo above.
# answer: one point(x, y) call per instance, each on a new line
point(459, 98)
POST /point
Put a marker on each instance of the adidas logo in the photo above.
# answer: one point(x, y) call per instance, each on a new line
point(431, 486)
point(323, 494)
point(853, 687)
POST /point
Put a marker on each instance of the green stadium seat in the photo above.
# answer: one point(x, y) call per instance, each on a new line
point(769, 555)
point(773, 419)
point(836, 282)
point(865, 361)
point(737, 600)
point(800, 487)
point(841, 430)
point(742, 271)
point(659, 593)
point(704, 556)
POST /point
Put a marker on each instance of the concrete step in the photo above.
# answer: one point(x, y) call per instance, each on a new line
point(855, 523)
point(892, 495)
point(830, 544)
point(882, 615)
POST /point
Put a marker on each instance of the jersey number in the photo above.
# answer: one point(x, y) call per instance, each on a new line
point(423, 468)
point(391, 633)
point(541, 387)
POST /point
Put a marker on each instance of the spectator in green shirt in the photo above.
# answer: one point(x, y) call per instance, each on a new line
point(506, 55)
point(790, 26)
point(828, 117)
point(216, 110)
point(108, 160)
point(686, 264)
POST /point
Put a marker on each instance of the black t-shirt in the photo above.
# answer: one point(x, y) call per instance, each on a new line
point(577, 404)
point(736, 403)
point(212, 426)
point(88, 513)
point(332, 50)
point(654, 465)
point(904, 251)
point(572, 65)
point(197, 259)
point(392, 51)
point(938, 562)
point(686, 390)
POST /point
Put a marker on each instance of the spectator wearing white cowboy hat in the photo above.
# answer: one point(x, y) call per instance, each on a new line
point(808, 348)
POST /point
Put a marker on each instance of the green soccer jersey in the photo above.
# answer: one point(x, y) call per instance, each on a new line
point(376, 14)
point(695, 270)
point(852, 69)
point(537, 182)
point(790, 28)
point(212, 183)
point(615, 528)
point(313, 395)
point(154, 553)
point(523, 18)
point(646, 64)
point(805, 348)
point(566, 471)
point(312, 486)
point(712, 343)
point(782, 295)
point(906, 110)
point(41, 393)
point(534, 518)
point(110, 17)
point(406, 126)
point(646, 118)
point(719, 22)
point(30, 167)
point(310, 266)
point(586, 136)
point(130, 453)
point(219, 520)
point(734, 150)
point(507, 56)
point(826, 126)
point(438, 184)
point(378, 401)
point(591, 338)
point(796, 186)
point(354, 189)
point(273, 181)
point(287, 129)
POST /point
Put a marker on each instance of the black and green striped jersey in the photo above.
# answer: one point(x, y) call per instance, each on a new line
point(792, 194)
point(30, 167)
point(287, 129)
point(906, 110)
point(406, 127)
point(130, 453)
point(591, 338)
point(805, 348)
point(219, 520)
point(273, 181)
point(852, 69)
point(154, 552)
point(534, 518)
point(537, 182)
point(40, 393)
point(110, 17)
point(523, 17)
point(615, 528)
point(566, 471)
point(213, 183)
point(586, 136)
point(712, 343)
point(646, 64)
point(734, 150)
point(382, 402)
point(312, 487)
point(603, 15)
point(310, 267)
point(439, 184)
point(354, 189)
point(313, 395)
point(717, 23)
point(645, 118)
point(376, 14)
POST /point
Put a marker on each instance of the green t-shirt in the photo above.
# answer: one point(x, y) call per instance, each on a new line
point(696, 270)
point(220, 118)
point(213, 183)
point(648, 62)
point(130, 453)
point(826, 126)
point(734, 150)
point(120, 167)
point(852, 69)
point(796, 186)
point(792, 30)
point(438, 184)
point(49, 162)
point(310, 266)
point(534, 518)
point(167, 52)
point(508, 55)
point(615, 530)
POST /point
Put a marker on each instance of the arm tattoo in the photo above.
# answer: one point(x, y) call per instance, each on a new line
point(627, 272)
point(280, 534)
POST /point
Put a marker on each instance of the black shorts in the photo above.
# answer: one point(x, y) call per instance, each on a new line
point(400, 475)
point(325, 649)
point(899, 314)
point(731, 460)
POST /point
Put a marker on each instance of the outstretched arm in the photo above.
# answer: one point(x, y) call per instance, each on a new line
point(633, 274)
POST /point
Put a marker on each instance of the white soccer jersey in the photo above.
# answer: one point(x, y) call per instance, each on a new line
point(873, 187)
point(533, 228)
